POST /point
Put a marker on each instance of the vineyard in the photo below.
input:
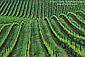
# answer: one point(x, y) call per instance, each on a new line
point(42, 28)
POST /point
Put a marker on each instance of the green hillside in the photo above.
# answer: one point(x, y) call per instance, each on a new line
point(42, 28)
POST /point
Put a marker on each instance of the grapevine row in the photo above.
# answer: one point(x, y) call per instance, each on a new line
point(5, 8)
point(29, 41)
point(65, 41)
point(13, 6)
point(76, 17)
point(8, 8)
point(19, 7)
point(9, 50)
point(44, 42)
point(29, 9)
point(70, 33)
point(4, 38)
point(80, 29)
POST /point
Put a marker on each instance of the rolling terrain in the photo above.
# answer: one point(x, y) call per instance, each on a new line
point(42, 28)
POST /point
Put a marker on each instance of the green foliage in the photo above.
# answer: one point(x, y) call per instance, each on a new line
point(64, 41)
point(25, 12)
